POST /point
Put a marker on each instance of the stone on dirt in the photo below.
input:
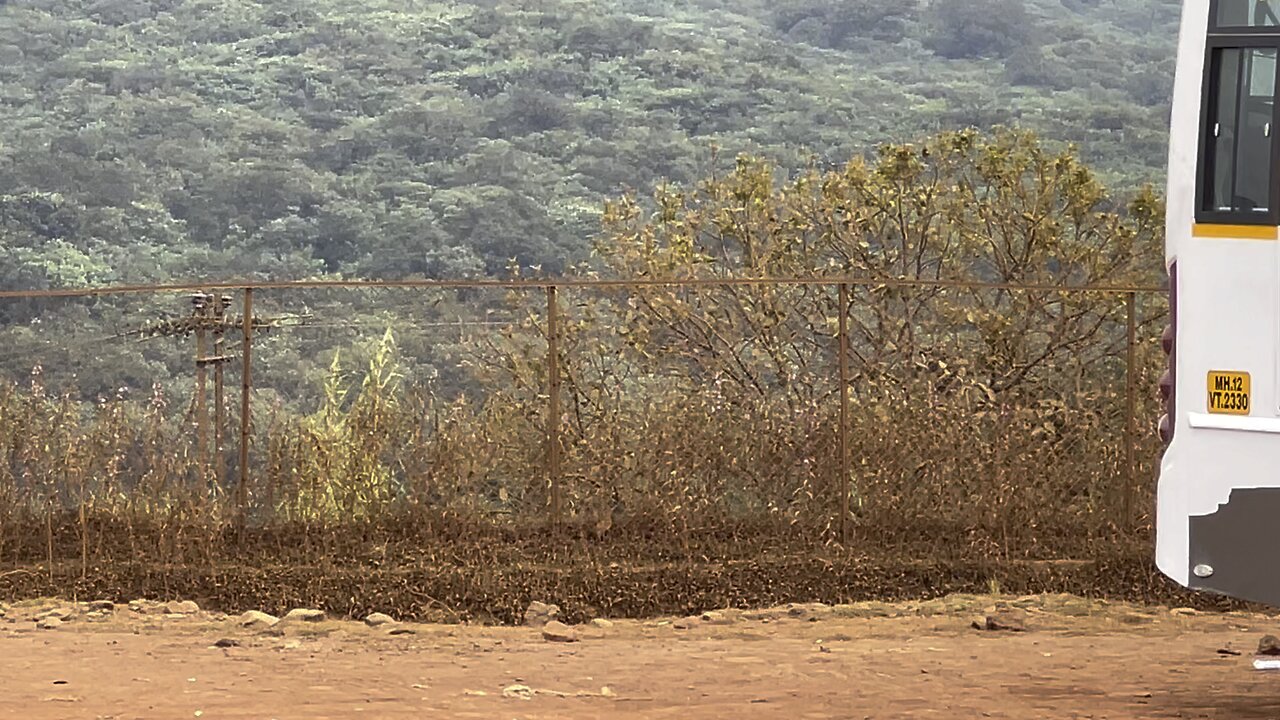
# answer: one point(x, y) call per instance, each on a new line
point(61, 613)
point(540, 613)
point(379, 619)
point(1269, 646)
point(1003, 620)
point(556, 631)
point(226, 643)
point(601, 624)
point(402, 631)
point(49, 623)
point(686, 623)
point(103, 606)
point(719, 617)
point(256, 620)
point(181, 607)
point(305, 615)
point(809, 610)
point(519, 692)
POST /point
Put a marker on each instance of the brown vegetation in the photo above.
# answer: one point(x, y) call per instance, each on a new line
point(700, 431)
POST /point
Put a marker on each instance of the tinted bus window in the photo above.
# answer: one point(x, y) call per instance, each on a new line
point(1240, 125)
point(1248, 13)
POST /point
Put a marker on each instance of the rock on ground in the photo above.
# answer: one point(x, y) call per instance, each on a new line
point(103, 606)
point(719, 617)
point(1003, 620)
point(256, 620)
point(181, 607)
point(62, 614)
point(49, 623)
point(601, 624)
point(809, 610)
point(540, 613)
point(379, 619)
point(1269, 646)
point(304, 615)
point(556, 631)
point(520, 692)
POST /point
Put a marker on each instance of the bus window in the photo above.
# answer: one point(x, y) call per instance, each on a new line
point(1240, 125)
point(1247, 13)
point(1257, 114)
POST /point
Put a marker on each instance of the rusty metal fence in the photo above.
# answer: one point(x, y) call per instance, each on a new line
point(836, 402)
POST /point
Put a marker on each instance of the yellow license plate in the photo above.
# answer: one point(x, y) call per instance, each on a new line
point(1230, 393)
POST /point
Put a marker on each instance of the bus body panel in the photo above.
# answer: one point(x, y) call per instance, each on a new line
point(1220, 469)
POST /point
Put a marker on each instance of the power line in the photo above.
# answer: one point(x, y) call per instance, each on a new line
point(18, 354)
point(475, 323)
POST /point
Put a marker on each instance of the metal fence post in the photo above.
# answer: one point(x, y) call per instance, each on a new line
point(246, 388)
point(845, 468)
point(1131, 405)
point(553, 406)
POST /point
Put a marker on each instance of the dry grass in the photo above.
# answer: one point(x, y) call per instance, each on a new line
point(940, 469)
point(700, 427)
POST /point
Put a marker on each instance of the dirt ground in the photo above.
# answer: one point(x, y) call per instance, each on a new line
point(1076, 659)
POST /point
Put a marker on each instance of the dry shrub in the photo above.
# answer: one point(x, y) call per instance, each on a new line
point(700, 423)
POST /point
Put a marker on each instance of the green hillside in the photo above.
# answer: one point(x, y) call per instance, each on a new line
point(161, 139)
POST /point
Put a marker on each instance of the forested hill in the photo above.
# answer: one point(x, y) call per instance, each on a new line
point(157, 139)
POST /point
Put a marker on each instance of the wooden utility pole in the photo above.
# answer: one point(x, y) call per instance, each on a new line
point(845, 465)
point(220, 306)
point(1130, 409)
point(209, 315)
point(246, 386)
point(553, 406)
point(200, 307)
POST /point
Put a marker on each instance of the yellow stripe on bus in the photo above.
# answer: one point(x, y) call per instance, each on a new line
point(1236, 232)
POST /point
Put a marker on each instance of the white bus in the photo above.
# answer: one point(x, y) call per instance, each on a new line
point(1218, 508)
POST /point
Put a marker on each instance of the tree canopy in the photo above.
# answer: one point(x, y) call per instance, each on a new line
point(147, 139)
point(171, 140)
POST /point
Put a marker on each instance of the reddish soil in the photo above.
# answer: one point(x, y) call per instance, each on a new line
point(1076, 660)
